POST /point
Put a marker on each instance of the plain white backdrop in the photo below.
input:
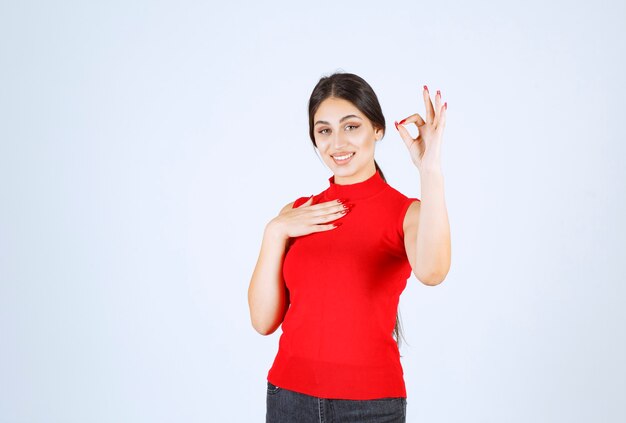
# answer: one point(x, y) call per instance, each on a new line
point(145, 145)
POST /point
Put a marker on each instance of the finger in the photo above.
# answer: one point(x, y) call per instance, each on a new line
point(414, 118)
point(325, 215)
point(321, 228)
point(406, 136)
point(327, 204)
point(437, 106)
point(430, 111)
point(333, 202)
point(442, 116)
point(306, 203)
point(335, 216)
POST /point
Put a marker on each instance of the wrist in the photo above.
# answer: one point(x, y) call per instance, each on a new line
point(432, 166)
point(431, 163)
point(274, 232)
point(434, 171)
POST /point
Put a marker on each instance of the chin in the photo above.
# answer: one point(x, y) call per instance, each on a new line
point(343, 171)
point(350, 169)
point(347, 173)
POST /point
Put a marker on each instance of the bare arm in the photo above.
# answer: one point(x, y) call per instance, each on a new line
point(426, 226)
point(267, 295)
point(427, 232)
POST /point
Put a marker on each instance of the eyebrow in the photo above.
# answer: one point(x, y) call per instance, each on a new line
point(341, 120)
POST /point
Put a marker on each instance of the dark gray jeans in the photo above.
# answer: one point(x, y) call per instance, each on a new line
point(285, 406)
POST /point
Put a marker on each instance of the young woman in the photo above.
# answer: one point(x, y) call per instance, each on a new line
point(332, 266)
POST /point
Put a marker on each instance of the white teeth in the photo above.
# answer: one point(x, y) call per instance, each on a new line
point(347, 156)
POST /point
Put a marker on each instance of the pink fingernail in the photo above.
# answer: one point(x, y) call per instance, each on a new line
point(426, 88)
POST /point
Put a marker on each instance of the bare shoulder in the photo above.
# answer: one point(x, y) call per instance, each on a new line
point(411, 218)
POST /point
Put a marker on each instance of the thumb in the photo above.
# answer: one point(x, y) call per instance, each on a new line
point(307, 202)
point(405, 135)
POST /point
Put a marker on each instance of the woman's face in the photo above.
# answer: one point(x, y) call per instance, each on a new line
point(341, 131)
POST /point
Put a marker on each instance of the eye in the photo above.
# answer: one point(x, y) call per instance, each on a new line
point(352, 126)
point(322, 131)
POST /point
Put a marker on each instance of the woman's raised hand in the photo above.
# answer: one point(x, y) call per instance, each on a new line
point(308, 218)
point(426, 148)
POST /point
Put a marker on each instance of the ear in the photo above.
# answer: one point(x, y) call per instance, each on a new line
point(379, 133)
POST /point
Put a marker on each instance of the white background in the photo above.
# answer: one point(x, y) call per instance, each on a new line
point(145, 145)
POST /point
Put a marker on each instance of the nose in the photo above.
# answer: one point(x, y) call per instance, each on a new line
point(339, 141)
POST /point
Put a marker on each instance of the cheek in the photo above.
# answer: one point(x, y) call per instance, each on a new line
point(321, 145)
point(364, 141)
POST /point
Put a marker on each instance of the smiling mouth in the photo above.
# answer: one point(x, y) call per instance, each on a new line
point(343, 157)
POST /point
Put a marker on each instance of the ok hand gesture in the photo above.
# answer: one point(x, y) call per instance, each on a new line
point(426, 148)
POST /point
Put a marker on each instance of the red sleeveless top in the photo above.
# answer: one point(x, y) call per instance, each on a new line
point(344, 287)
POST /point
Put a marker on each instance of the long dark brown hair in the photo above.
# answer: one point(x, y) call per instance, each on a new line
point(357, 91)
